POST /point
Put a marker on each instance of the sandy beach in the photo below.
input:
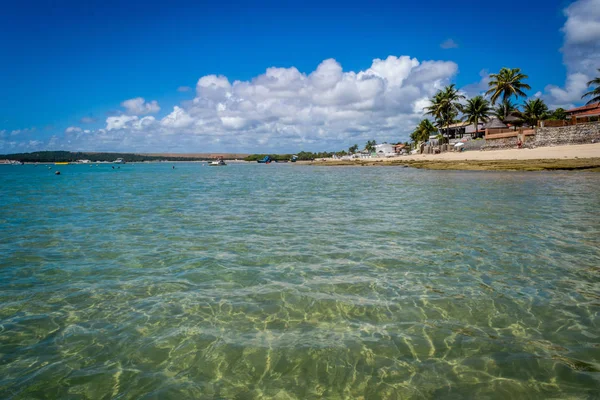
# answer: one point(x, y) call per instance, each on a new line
point(572, 157)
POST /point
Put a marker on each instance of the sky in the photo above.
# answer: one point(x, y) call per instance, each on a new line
point(269, 76)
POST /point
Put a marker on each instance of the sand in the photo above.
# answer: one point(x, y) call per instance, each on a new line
point(572, 157)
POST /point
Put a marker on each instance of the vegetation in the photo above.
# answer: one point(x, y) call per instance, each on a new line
point(353, 149)
point(477, 109)
point(302, 156)
point(68, 156)
point(445, 106)
point(370, 146)
point(507, 83)
point(534, 111)
point(423, 131)
point(504, 109)
point(595, 92)
point(558, 115)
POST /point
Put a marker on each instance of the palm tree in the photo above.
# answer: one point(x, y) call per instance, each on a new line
point(423, 131)
point(594, 93)
point(507, 83)
point(370, 146)
point(534, 111)
point(477, 109)
point(504, 109)
point(445, 106)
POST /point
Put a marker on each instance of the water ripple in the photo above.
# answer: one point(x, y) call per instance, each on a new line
point(290, 282)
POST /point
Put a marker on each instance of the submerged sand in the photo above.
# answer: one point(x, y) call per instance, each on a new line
point(572, 157)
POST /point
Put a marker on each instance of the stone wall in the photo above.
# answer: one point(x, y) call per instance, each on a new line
point(555, 136)
point(574, 134)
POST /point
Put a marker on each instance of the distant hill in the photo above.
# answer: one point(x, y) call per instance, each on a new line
point(69, 156)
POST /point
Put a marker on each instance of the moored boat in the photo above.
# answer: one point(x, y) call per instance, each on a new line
point(218, 163)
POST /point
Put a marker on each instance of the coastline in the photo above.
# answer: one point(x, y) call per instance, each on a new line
point(569, 157)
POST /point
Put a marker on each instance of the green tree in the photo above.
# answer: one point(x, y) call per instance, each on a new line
point(477, 109)
point(423, 131)
point(595, 92)
point(507, 83)
point(504, 109)
point(353, 149)
point(534, 111)
point(370, 146)
point(558, 115)
point(445, 106)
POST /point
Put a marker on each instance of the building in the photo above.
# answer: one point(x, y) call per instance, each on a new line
point(399, 148)
point(588, 113)
point(461, 129)
point(384, 150)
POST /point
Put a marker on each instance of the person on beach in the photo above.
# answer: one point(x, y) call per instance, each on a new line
point(519, 143)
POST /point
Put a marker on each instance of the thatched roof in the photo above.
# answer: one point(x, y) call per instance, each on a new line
point(511, 118)
point(494, 123)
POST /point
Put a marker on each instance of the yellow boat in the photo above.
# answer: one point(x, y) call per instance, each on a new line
point(61, 163)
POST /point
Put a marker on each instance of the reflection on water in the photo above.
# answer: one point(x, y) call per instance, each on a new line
point(290, 282)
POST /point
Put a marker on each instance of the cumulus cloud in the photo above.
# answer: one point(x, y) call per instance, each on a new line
point(581, 53)
point(284, 109)
point(179, 118)
point(139, 106)
point(73, 129)
point(119, 122)
point(449, 44)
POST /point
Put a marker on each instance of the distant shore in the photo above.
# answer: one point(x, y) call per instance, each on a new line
point(573, 157)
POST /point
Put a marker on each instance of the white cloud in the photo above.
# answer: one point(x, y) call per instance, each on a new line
point(583, 22)
point(575, 86)
point(282, 110)
point(73, 129)
point(179, 118)
point(139, 106)
point(119, 122)
point(449, 44)
point(581, 53)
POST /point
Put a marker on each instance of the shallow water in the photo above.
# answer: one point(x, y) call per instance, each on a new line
point(297, 282)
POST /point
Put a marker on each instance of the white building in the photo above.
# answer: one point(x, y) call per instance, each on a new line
point(385, 150)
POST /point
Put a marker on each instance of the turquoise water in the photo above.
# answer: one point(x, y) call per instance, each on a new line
point(297, 282)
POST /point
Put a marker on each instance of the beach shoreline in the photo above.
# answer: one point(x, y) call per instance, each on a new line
point(568, 157)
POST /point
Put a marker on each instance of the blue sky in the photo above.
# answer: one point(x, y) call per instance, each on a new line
point(73, 64)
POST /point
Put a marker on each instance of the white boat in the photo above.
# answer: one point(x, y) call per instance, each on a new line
point(218, 163)
point(119, 161)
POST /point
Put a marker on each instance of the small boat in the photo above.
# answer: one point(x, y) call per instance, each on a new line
point(119, 161)
point(266, 160)
point(218, 163)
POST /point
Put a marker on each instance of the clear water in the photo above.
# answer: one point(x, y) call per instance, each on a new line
point(296, 282)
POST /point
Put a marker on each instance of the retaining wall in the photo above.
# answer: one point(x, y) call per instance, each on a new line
point(551, 136)
point(574, 134)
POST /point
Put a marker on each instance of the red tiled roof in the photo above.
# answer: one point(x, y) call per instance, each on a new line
point(588, 113)
point(577, 110)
